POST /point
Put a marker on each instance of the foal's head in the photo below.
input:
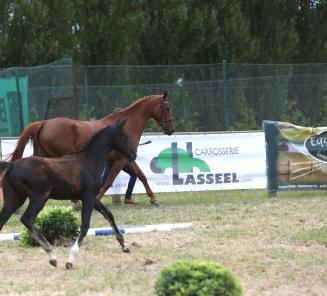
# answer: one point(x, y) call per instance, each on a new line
point(111, 137)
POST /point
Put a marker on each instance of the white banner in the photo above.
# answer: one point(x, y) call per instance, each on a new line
point(194, 162)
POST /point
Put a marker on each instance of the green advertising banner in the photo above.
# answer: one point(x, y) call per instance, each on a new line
point(13, 105)
point(296, 156)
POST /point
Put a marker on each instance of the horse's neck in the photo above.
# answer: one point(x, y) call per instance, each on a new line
point(137, 119)
point(138, 115)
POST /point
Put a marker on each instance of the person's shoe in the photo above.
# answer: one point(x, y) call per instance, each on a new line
point(130, 201)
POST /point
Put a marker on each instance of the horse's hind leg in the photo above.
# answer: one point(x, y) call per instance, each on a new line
point(12, 200)
point(28, 219)
point(87, 208)
point(100, 207)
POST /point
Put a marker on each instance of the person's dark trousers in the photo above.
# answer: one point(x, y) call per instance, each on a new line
point(105, 173)
point(130, 186)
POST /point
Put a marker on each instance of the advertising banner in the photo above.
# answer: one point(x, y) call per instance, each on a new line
point(296, 156)
point(199, 162)
point(194, 162)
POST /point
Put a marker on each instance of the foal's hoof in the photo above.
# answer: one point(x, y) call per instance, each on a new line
point(154, 202)
point(126, 249)
point(53, 262)
point(69, 265)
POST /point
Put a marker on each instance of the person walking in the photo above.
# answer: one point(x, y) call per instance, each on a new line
point(116, 198)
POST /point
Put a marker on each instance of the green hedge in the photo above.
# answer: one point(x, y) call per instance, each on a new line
point(197, 278)
point(58, 224)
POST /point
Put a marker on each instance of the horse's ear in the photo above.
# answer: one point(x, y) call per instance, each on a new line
point(165, 95)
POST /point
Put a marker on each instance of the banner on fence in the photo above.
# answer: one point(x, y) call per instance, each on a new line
point(296, 156)
point(194, 162)
point(13, 105)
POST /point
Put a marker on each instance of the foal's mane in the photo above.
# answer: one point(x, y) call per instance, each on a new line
point(92, 139)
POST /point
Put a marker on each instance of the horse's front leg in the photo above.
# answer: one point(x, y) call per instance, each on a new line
point(100, 207)
point(113, 172)
point(87, 207)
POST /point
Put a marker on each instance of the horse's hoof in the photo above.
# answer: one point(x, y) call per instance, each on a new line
point(155, 203)
point(77, 208)
point(53, 262)
point(69, 265)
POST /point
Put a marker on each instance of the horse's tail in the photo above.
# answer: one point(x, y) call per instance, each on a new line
point(29, 133)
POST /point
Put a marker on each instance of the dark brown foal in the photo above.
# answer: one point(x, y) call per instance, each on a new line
point(74, 176)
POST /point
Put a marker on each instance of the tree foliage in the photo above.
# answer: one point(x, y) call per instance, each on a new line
point(35, 32)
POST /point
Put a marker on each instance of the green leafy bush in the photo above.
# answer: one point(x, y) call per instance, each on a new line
point(58, 224)
point(197, 278)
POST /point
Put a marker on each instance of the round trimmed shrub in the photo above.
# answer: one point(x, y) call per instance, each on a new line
point(197, 278)
point(58, 224)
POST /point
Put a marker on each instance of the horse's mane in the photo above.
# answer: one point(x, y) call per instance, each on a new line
point(118, 110)
point(138, 101)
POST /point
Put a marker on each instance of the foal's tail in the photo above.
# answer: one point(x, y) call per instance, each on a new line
point(29, 133)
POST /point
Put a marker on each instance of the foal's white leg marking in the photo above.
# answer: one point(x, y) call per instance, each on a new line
point(125, 248)
point(52, 256)
point(73, 252)
point(46, 246)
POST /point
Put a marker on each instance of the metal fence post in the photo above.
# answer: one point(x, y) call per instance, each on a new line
point(279, 109)
point(271, 132)
point(75, 91)
point(86, 91)
point(226, 96)
point(19, 105)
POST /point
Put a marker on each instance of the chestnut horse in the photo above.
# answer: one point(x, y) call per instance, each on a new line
point(76, 175)
point(58, 136)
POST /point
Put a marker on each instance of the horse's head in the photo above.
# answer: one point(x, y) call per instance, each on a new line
point(122, 143)
point(164, 117)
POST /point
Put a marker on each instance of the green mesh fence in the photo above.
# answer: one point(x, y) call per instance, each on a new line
point(214, 97)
